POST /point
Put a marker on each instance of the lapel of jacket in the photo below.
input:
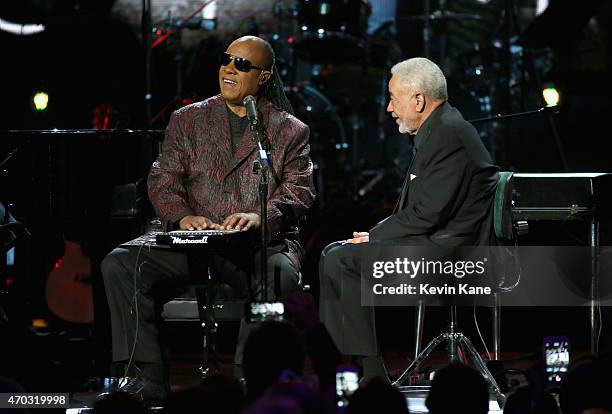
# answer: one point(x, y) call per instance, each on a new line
point(248, 144)
point(423, 141)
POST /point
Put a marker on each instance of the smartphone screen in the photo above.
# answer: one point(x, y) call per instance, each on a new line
point(347, 381)
point(265, 311)
point(10, 257)
point(556, 355)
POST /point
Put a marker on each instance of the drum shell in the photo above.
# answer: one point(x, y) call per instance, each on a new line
point(327, 135)
point(331, 30)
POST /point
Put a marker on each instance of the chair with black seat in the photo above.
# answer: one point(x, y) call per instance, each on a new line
point(506, 231)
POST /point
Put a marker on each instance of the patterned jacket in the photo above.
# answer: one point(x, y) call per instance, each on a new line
point(197, 174)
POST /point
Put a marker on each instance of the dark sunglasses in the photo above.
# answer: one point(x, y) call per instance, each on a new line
point(242, 64)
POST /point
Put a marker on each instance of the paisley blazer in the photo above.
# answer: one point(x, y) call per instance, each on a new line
point(197, 173)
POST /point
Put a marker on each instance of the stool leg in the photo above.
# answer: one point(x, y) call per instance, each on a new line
point(419, 320)
point(480, 365)
point(420, 358)
point(496, 327)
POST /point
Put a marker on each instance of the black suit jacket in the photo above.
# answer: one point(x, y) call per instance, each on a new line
point(451, 186)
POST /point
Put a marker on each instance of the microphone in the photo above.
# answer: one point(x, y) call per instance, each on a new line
point(251, 109)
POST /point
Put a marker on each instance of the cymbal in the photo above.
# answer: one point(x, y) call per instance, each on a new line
point(445, 15)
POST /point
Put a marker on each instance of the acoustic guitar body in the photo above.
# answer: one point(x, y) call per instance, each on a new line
point(68, 291)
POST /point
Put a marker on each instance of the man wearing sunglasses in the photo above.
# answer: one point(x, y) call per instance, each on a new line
point(204, 179)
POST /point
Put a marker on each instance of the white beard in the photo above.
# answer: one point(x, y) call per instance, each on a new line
point(403, 128)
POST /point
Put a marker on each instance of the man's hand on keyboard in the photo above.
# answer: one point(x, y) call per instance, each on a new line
point(197, 223)
point(241, 221)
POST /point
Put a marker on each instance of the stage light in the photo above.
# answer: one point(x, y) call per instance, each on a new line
point(39, 323)
point(41, 100)
point(21, 29)
point(541, 5)
point(551, 96)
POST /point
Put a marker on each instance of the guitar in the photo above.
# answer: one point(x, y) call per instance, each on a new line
point(103, 116)
point(68, 290)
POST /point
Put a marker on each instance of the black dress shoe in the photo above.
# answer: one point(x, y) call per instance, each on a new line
point(152, 393)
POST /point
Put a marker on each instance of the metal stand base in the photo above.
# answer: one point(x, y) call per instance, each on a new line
point(198, 265)
point(456, 340)
point(210, 360)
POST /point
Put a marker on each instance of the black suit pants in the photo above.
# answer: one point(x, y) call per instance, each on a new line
point(351, 325)
point(154, 277)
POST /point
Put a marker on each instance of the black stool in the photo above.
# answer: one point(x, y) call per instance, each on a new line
point(506, 230)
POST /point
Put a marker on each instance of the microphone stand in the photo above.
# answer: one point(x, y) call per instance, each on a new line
point(146, 39)
point(264, 167)
point(500, 117)
point(549, 111)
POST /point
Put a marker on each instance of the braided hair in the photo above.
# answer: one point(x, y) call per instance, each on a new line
point(273, 90)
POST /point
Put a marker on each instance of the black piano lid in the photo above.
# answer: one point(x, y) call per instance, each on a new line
point(561, 175)
point(562, 196)
point(82, 131)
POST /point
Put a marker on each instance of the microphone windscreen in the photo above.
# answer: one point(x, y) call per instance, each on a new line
point(251, 108)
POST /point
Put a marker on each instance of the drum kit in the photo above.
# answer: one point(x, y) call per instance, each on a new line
point(335, 74)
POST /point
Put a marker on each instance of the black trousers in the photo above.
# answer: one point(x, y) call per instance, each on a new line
point(351, 325)
point(152, 277)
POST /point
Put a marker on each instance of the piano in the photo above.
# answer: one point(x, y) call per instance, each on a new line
point(196, 239)
point(209, 240)
point(568, 196)
point(562, 196)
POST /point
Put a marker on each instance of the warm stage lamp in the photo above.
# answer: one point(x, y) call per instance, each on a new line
point(41, 100)
point(551, 96)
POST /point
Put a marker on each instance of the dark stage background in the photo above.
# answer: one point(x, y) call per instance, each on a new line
point(87, 191)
